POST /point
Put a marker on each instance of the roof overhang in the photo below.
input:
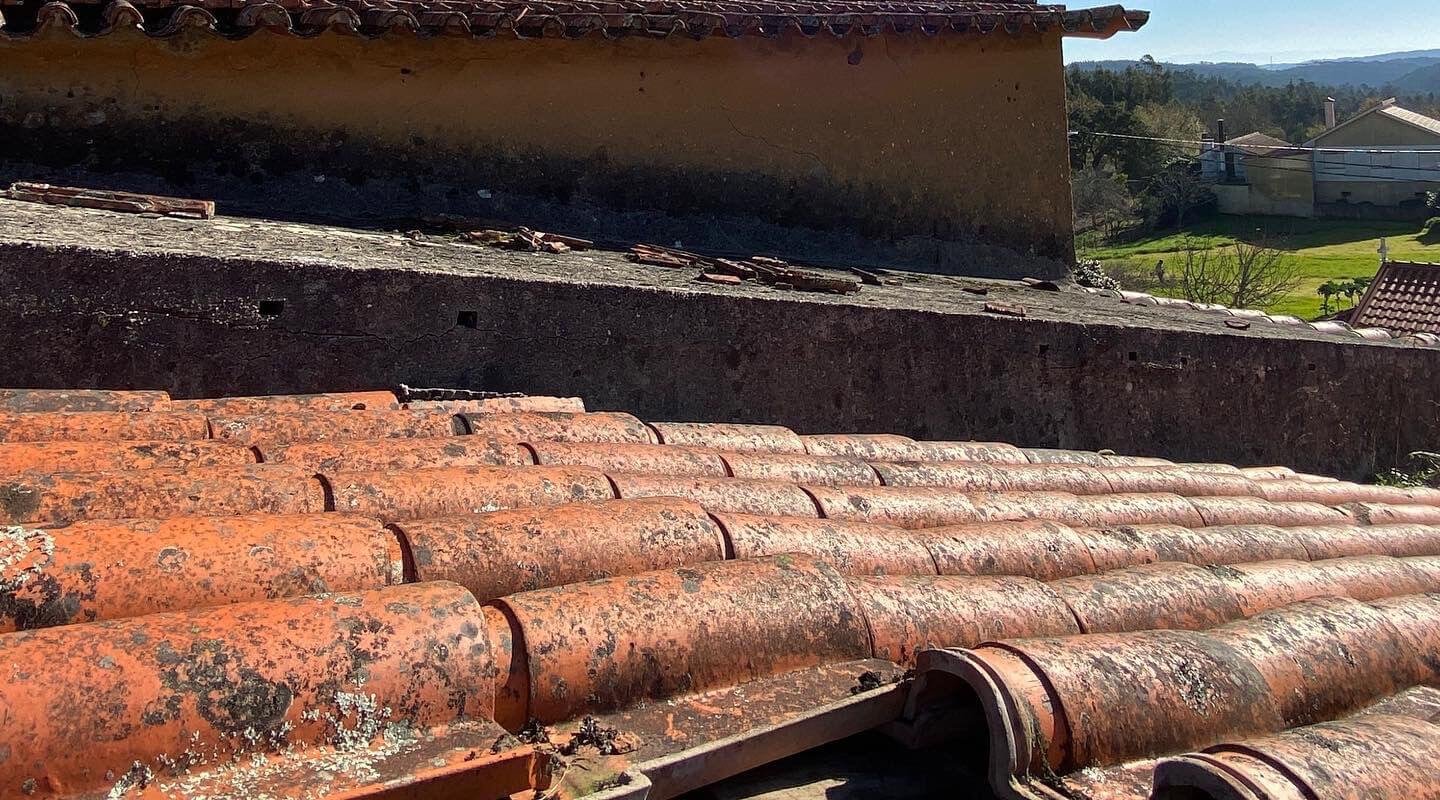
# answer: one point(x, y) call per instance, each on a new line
point(233, 19)
point(1102, 23)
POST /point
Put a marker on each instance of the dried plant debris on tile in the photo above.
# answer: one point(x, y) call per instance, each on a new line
point(533, 733)
point(605, 739)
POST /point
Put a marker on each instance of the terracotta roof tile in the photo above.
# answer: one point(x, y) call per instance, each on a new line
point(722, 494)
point(444, 491)
point(803, 469)
point(1404, 298)
point(723, 595)
point(525, 549)
point(109, 569)
point(560, 427)
point(80, 400)
point(565, 18)
point(64, 497)
point(739, 438)
point(1095, 712)
point(1035, 549)
point(100, 426)
point(328, 426)
point(82, 456)
point(643, 459)
point(853, 548)
point(396, 454)
point(782, 613)
point(1369, 755)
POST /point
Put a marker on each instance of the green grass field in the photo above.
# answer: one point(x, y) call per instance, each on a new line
point(1325, 250)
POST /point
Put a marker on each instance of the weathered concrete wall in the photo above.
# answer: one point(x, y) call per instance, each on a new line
point(1281, 186)
point(945, 147)
point(195, 325)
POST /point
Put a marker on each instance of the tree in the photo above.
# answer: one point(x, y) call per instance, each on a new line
point(1241, 275)
point(1350, 289)
point(1171, 121)
point(1101, 197)
point(1173, 194)
point(1327, 291)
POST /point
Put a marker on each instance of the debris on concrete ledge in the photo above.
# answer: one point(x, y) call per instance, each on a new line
point(111, 201)
point(527, 239)
point(1042, 285)
point(1005, 309)
point(759, 269)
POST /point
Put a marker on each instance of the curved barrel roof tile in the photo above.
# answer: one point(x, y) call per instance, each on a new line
point(340, 595)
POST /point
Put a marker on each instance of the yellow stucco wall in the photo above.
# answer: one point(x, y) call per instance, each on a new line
point(947, 136)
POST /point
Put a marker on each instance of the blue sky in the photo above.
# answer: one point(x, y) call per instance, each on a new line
point(1260, 31)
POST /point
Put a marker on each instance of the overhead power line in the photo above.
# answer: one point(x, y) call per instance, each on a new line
point(1333, 169)
point(1295, 148)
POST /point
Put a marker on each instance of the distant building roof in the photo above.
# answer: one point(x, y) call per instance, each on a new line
point(1390, 109)
point(1412, 118)
point(1404, 299)
point(565, 18)
point(1260, 144)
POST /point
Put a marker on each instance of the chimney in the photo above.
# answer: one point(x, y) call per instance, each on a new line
point(1330, 121)
point(1229, 156)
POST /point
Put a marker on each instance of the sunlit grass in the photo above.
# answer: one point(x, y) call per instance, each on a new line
point(1324, 250)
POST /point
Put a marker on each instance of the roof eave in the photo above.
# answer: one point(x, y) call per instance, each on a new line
point(1103, 23)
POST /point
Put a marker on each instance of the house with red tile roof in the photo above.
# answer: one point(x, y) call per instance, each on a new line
point(1404, 299)
point(927, 134)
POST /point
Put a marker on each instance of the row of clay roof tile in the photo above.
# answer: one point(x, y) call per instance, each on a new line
point(1370, 330)
point(1403, 298)
point(1328, 698)
point(473, 596)
point(106, 569)
point(569, 19)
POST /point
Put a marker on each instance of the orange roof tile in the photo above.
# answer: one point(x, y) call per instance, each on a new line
point(567, 19)
point(338, 595)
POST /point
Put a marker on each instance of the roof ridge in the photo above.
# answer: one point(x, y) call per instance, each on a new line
point(565, 19)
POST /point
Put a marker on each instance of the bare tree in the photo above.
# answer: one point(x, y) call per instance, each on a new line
point(1241, 275)
point(1100, 196)
point(1173, 193)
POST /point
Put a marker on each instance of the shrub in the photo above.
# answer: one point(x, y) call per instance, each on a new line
point(1092, 274)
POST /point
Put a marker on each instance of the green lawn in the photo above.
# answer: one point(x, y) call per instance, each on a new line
point(1325, 250)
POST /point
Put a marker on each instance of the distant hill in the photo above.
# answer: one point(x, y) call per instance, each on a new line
point(1412, 72)
point(1393, 56)
point(1423, 80)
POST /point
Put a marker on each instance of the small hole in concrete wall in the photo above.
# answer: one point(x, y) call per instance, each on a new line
point(1310, 367)
point(1134, 356)
point(1044, 348)
point(1184, 361)
point(468, 319)
point(272, 308)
